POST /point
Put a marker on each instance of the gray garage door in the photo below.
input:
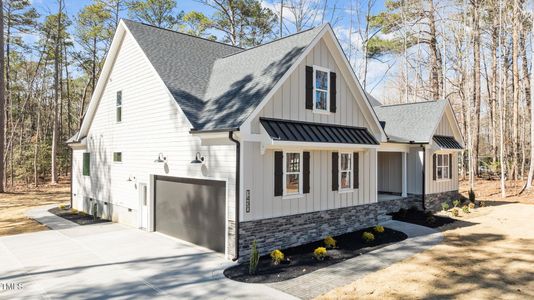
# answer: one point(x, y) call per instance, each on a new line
point(191, 210)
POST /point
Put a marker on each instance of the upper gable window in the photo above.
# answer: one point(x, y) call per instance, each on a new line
point(321, 89)
point(118, 107)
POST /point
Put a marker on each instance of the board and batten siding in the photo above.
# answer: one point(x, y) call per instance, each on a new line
point(152, 123)
point(415, 170)
point(289, 102)
point(439, 186)
point(389, 166)
point(258, 179)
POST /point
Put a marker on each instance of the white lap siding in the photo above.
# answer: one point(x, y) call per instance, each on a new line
point(258, 178)
point(152, 123)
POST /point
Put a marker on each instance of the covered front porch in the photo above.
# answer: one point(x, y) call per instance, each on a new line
point(392, 172)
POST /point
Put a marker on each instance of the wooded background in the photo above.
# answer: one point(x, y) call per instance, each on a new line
point(476, 54)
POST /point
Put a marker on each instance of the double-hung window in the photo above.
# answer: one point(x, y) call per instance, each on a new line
point(321, 89)
point(345, 171)
point(292, 173)
point(442, 166)
point(118, 107)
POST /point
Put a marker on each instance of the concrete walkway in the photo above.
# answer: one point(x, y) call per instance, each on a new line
point(323, 280)
point(41, 215)
point(112, 261)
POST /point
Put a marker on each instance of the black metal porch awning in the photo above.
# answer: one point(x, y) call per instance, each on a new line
point(298, 131)
point(447, 142)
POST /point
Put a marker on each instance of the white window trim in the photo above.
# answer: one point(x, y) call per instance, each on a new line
point(117, 106)
point(443, 167)
point(351, 171)
point(327, 110)
point(285, 173)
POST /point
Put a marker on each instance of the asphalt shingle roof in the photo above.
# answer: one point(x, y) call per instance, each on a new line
point(412, 121)
point(216, 85)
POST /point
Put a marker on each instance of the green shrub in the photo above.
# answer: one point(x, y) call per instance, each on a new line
point(74, 211)
point(445, 206)
point(368, 237)
point(379, 229)
point(254, 259)
point(472, 196)
point(277, 256)
point(465, 209)
point(471, 205)
point(320, 253)
point(82, 213)
point(455, 212)
point(329, 242)
point(456, 203)
point(62, 206)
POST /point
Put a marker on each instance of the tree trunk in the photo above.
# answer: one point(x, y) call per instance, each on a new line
point(436, 74)
point(55, 129)
point(515, 88)
point(2, 100)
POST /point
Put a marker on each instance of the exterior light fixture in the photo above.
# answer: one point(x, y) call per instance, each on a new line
point(160, 158)
point(198, 159)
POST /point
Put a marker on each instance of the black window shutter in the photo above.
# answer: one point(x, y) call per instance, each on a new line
point(306, 172)
point(278, 173)
point(309, 87)
point(434, 166)
point(355, 170)
point(450, 166)
point(333, 92)
point(335, 173)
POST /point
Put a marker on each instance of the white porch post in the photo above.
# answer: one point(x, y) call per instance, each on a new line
point(404, 175)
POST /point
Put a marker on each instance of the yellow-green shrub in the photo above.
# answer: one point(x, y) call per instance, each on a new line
point(62, 206)
point(455, 212)
point(368, 237)
point(465, 209)
point(329, 242)
point(320, 253)
point(74, 211)
point(471, 205)
point(277, 256)
point(379, 229)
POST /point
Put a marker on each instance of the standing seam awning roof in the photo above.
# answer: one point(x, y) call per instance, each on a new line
point(446, 142)
point(297, 131)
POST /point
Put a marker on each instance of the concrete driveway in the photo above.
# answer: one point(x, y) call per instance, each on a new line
point(115, 261)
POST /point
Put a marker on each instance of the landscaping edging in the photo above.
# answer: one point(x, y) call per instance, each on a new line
point(321, 281)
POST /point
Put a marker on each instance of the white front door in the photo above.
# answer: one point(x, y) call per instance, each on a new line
point(143, 203)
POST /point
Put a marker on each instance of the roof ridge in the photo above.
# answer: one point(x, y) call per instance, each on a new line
point(411, 103)
point(183, 33)
point(276, 40)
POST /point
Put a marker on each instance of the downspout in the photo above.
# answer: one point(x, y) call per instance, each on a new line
point(237, 190)
point(424, 175)
point(71, 159)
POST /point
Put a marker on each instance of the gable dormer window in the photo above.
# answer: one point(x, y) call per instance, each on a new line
point(321, 89)
point(118, 107)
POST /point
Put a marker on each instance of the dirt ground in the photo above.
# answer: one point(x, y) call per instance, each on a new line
point(490, 190)
point(488, 254)
point(14, 203)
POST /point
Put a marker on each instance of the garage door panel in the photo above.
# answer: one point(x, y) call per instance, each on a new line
point(192, 210)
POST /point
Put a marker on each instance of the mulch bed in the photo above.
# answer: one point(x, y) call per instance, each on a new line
point(78, 218)
point(300, 259)
point(422, 218)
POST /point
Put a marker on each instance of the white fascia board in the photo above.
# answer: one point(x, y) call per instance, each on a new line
point(122, 30)
point(356, 81)
point(394, 147)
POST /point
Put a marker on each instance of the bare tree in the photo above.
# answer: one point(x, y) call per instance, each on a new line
point(2, 99)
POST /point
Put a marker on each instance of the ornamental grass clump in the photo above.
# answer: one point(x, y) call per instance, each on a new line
point(472, 196)
point(368, 237)
point(254, 259)
point(455, 212)
point(320, 253)
point(456, 203)
point(379, 229)
point(445, 206)
point(329, 242)
point(277, 257)
point(465, 209)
